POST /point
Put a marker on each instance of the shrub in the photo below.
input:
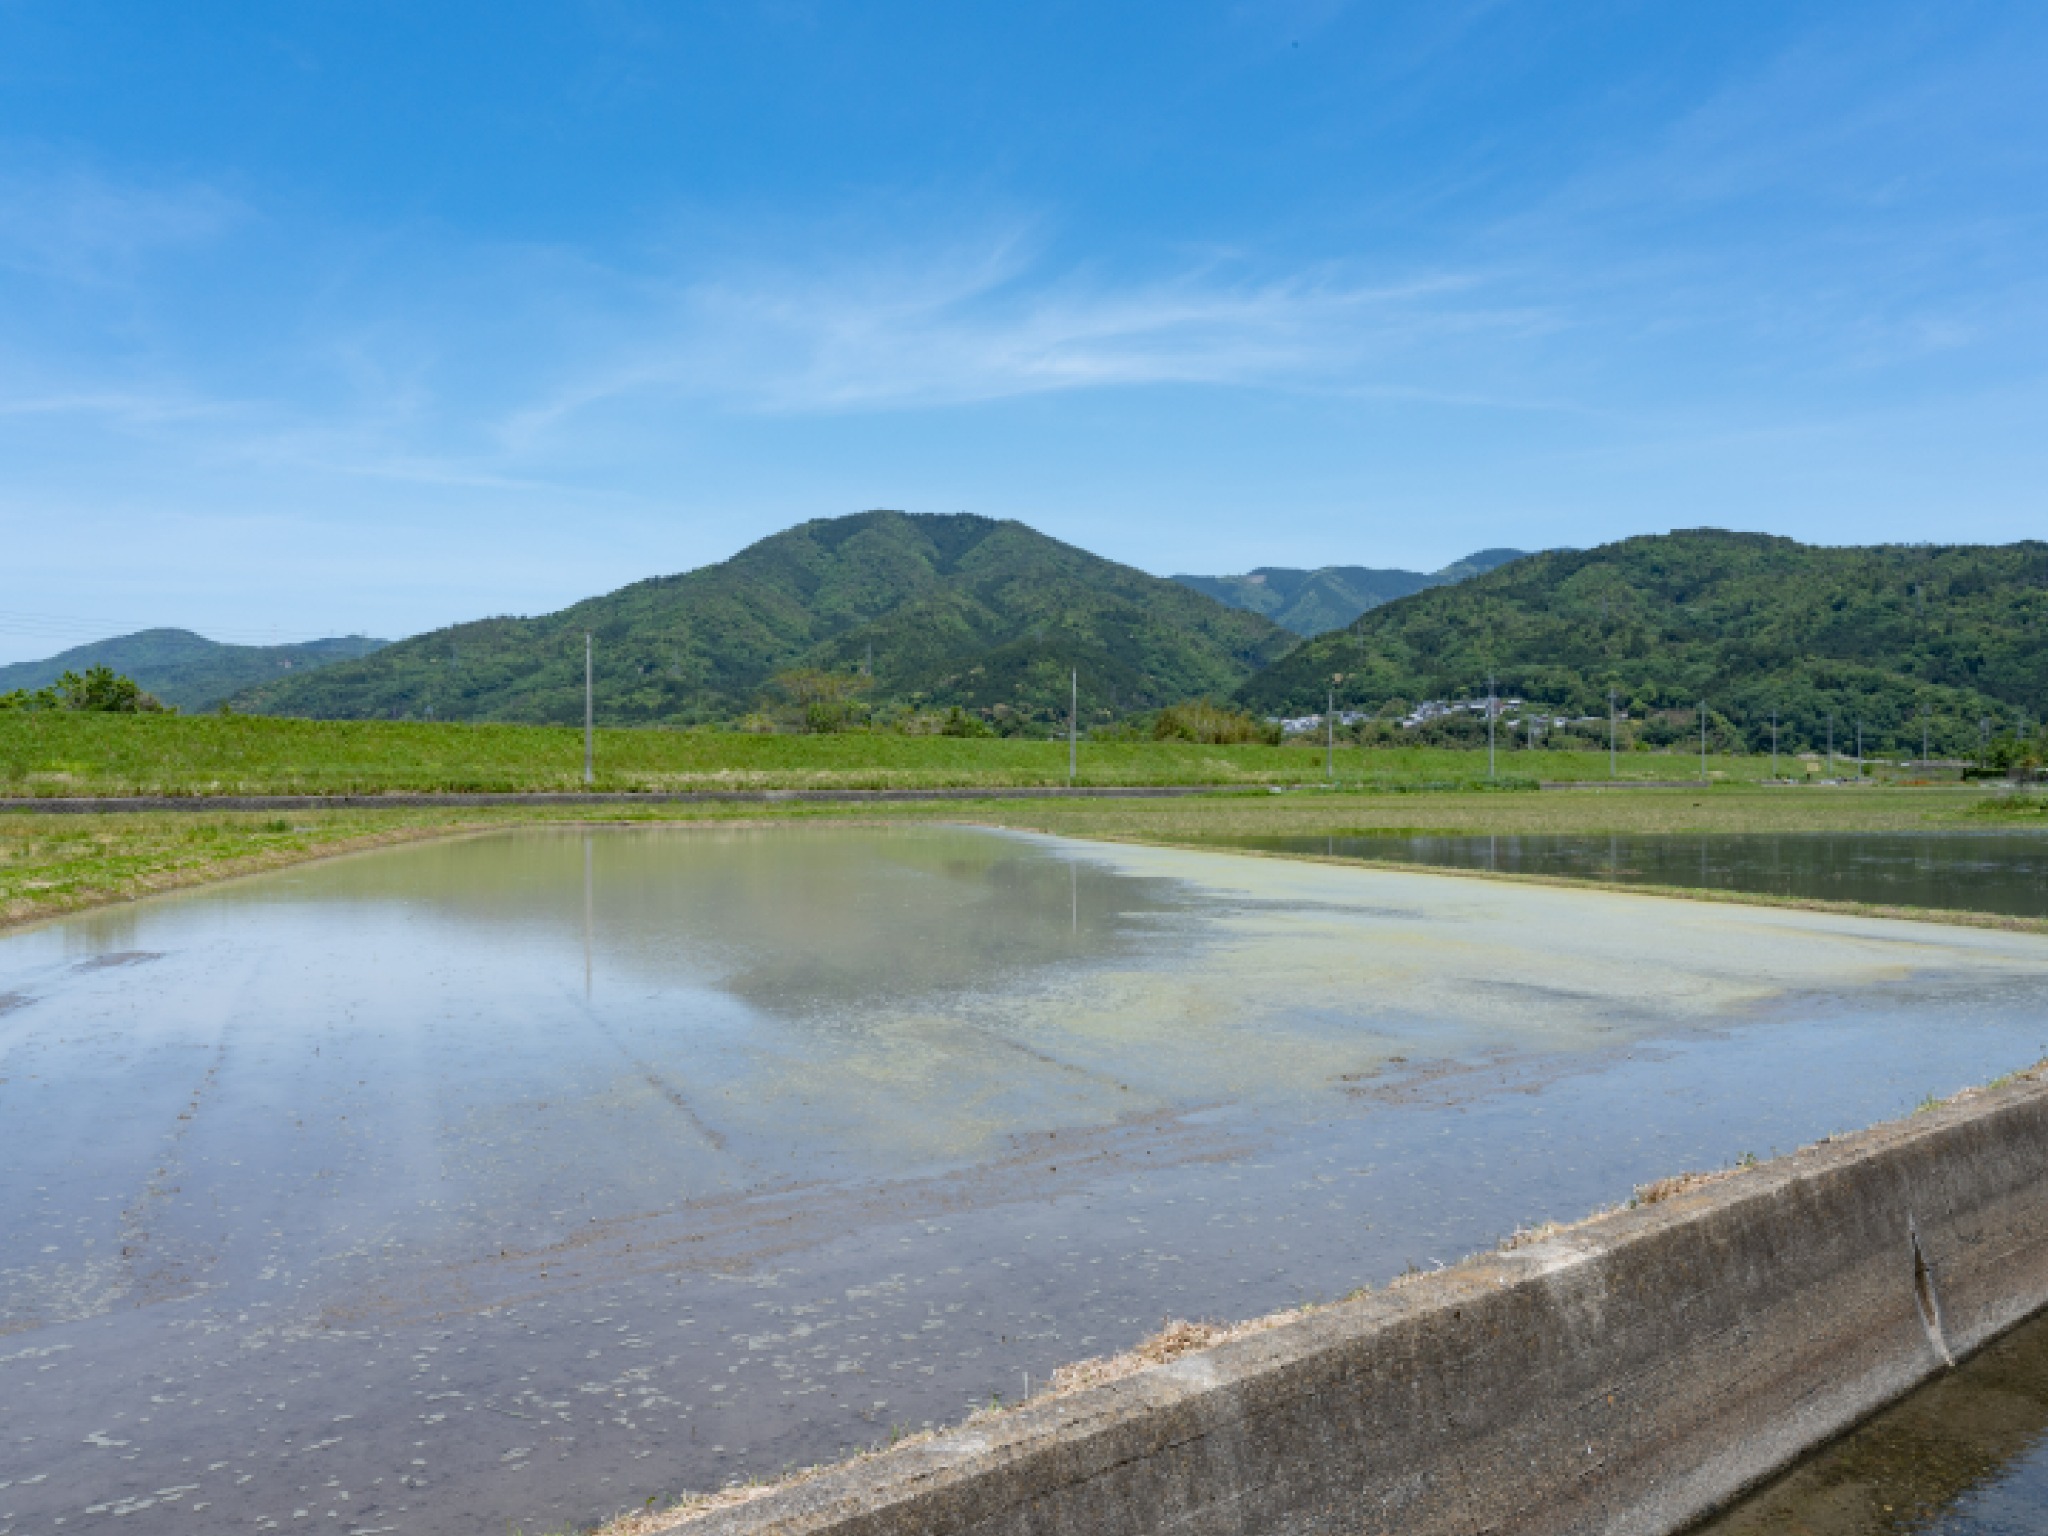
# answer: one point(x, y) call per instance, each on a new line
point(1212, 724)
point(824, 702)
point(101, 690)
point(959, 722)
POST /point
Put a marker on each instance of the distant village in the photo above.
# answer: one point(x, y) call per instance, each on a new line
point(1510, 711)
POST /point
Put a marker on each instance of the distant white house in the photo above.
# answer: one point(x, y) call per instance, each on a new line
point(1509, 705)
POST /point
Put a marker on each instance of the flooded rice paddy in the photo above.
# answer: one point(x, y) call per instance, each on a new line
point(2001, 872)
point(514, 1181)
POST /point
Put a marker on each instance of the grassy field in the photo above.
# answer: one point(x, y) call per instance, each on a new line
point(50, 865)
point(58, 753)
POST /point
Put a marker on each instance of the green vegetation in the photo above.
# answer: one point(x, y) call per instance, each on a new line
point(959, 627)
point(2024, 808)
point(1749, 623)
point(63, 752)
point(1310, 602)
point(934, 613)
point(184, 670)
point(1206, 722)
point(101, 691)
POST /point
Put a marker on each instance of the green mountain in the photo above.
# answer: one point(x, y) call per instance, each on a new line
point(1747, 622)
point(188, 670)
point(1310, 602)
point(953, 610)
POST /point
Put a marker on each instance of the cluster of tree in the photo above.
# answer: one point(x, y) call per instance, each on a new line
point(101, 690)
point(1202, 721)
point(813, 701)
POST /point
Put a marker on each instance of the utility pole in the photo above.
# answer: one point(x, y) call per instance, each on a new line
point(1831, 743)
point(1489, 726)
point(1612, 771)
point(1703, 741)
point(1330, 735)
point(1859, 749)
point(589, 713)
point(1774, 743)
point(1073, 724)
point(1926, 756)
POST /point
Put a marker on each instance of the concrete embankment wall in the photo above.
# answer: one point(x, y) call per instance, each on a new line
point(1626, 1375)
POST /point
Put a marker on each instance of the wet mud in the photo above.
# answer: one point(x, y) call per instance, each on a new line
point(517, 1181)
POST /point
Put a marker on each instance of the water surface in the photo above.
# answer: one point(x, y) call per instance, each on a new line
point(517, 1180)
point(1966, 1455)
point(2000, 872)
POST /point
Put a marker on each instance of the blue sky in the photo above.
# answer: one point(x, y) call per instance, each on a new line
point(370, 317)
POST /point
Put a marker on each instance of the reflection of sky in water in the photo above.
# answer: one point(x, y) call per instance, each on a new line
point(693, 1152)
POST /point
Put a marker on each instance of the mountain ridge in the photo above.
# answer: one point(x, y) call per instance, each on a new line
point(185, 669)
point(1749, 623)
point(954, 609)
point(1311, 602)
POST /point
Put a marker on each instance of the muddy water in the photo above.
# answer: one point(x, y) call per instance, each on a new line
point(2003, 872)
point(519, 1180)
point(1964, 1456)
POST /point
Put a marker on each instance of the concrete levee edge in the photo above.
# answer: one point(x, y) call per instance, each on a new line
point(1012, 1471)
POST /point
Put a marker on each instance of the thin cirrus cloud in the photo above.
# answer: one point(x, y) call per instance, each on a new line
point(74, 226)
point(922, 333)
point(397, 364)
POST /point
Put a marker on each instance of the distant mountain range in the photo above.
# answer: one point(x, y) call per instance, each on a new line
point(185, 669)
point(939, 611)
point(1747, 622)
point(946, 610)
point(1310, 602)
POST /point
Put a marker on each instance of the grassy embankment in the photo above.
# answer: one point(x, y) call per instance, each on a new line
point(64, 753)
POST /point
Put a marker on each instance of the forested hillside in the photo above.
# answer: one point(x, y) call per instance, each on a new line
point(927, 611)
point(1310, 602)
point(187, 670)
point(1748, 622)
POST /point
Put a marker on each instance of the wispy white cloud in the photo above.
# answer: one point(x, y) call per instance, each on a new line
point(74, 226)
point(134, 408)
point(961, 325)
